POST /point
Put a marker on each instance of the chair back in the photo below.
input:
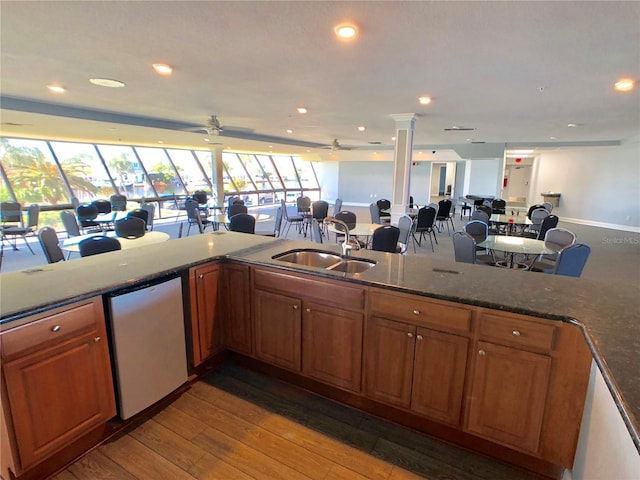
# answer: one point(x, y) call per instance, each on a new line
point(234, 199)
point(383, 204)
point(480, 215)
point(86, 213)
point(337, 206)
point(435, 206)
point(243, 223)
point(98, 244)
point(464, 247)
point(316, 233)
point(385, 239)
point(130, 227)
point(150, 208)
point(560, 237)
point(572, 259)
point(49, 243)
point(405, 225)
point(444, 209)
point(532, 208)
point(537, 216)
point(426, 218)
point(235, 209)
point(477, 229)
point(75, 202)
point(200, 196)
point(375, 213)
point(320, 210)
point(347, 217)
point(70, 223)
point(303, 204)
point(548, 222)
point(278, 222)
point(33, 215)
point(11, 212)
point(548, 206)
point(486, 209)
point(499, 206)
point(141, 214)
point(103, 206)
point(118, 202)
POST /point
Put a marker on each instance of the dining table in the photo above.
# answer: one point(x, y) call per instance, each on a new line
point(512, 246)
point(222, 219)
point(149, 238)
point(509, 223)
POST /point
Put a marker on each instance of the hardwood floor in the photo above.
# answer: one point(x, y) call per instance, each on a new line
point(238, 424)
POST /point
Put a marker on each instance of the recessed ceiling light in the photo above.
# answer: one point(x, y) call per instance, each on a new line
point(393, 139)
point(424, 100)
point(302, 109)
point(163, 68)
point(160, 141)
point(362, 128)
point(624, 85)
point(207, 139)
point(572, 125)
point(289, 130)
point(346, 31)
point(107, 82)
point(522, 152)
point(56, 88)
point(553, 138)
point(419, 153)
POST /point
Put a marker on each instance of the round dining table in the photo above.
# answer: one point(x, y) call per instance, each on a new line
point(149, 238)
point(509, 223)
point(513, 246)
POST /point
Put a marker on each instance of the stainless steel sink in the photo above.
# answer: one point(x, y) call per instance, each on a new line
point(323, 259)
point(352, 266)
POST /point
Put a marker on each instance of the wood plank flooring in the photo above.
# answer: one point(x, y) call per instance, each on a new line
point(238, 424)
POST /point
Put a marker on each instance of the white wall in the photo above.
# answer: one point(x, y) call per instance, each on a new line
point(605, 448)
point(483, 177)
point(599, 185)
point(328, 174)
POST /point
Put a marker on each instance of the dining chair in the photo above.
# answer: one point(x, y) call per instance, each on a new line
point(288, 219)
point(537, 216)
point(70, 223)
point(130, 227)
point(384, 204)
point(103, 206)
point(20, 229)
point(98, 244)
point(406, 225)
point(375, 213)
point(316, 232)
point(196, 217)
point(86, 214)
point(425, 225)
point(150, 208)
point(548, 222)
point(480, 215)
point(557, 239)
point(49, 243)
point(118, 202)
point(548, 206)
point(571, 261)
point(465, 250)
point(142, 214)
point(385, 239)
point(498, 206)
point(534, 207)
point(304, 205)
point(243, 223)
point(444, 215)
point(235, 209)
point(337, 206)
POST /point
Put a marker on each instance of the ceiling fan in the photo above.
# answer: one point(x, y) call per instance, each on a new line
point(211, 127)
point(335, 145)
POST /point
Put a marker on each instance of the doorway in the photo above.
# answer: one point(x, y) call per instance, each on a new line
point(516, 184)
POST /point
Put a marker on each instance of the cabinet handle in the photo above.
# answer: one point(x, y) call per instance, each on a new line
point(419, 337)
point(308, 310)
point(409, 334)
point(55, 328)
point(516, 333)
point(97, 339)
point(416, 312)
point(201, 276)
point(482, 353)
point(295, 307)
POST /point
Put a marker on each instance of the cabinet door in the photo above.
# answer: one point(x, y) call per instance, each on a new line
point(277, 328)
point(388, 360)
point(58, 394)
point(205, 320)
point(508, 395)
point(438, 375)
point(237, 331)
point(332, 345)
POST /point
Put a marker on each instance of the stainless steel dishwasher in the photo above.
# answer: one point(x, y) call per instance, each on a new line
point(148, 340)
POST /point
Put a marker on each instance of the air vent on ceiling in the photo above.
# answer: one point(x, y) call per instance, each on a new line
point(375, 143)
point(477, 141)
point(12, 124)
point(459, 129)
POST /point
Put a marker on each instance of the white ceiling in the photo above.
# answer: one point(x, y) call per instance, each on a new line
point(517, 72)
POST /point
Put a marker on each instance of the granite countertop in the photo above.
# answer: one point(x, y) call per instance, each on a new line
point(608, 314)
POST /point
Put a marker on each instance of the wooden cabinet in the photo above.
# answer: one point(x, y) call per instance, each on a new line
point(204, 283)
point(237, 325)
point(332, 345)
point(277, 328)
point(57, 382)
point(415, 367)
point(512, 367)
point(310, 325)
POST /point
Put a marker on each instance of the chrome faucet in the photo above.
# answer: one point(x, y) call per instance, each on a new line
point(346, 245)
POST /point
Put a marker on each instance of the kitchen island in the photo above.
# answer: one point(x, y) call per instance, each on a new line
point(608, 317)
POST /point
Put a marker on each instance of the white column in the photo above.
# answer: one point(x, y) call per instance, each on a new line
point(216, 175)
point(402, 164)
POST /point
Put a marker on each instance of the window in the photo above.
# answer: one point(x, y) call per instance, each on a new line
point(126, 171)
point(160, 171)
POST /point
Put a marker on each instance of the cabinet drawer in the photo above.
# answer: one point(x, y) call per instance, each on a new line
point(325, 291)
point(516, 331)
point(421, 312)
point(57, 325)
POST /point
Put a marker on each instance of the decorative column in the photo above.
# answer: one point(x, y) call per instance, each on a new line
point(402, 158)
point(216, 176)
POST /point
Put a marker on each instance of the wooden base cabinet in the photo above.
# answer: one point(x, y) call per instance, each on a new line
point(57, 382)
point(204, 282)
point(415, 368)
point(237, 325)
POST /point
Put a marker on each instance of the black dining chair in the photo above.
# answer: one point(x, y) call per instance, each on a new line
point(196, 217)
point(425, 225)
point(243, 223)
point(86, 214)
point(118, 202)
point(19, 229)
point(98, 244)
point(235, 209)
point(385, 239)
point(142, 214)
point(103, 206)
point(444, 215)
point(49, 243)
point(384, 204)
point(130, 227)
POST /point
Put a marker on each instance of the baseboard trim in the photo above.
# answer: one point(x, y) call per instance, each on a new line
point(592, 223)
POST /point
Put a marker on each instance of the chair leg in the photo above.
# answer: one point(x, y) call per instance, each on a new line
point(28, 246)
